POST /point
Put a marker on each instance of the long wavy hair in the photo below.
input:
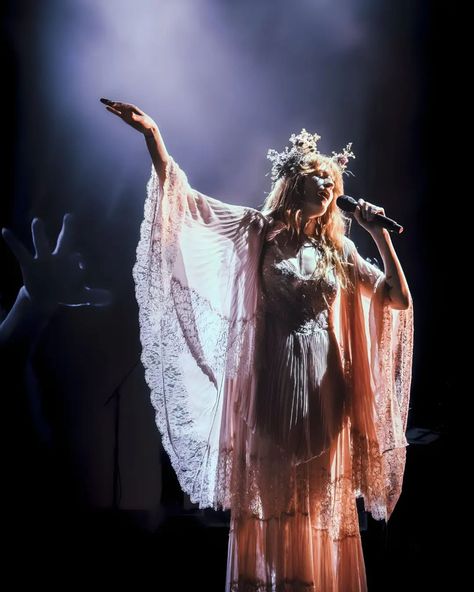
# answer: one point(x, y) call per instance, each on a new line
point(284, 206)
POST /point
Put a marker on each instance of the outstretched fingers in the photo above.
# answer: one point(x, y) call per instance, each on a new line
point(119, 108)
point(114, 111)
point(112, 106)
point(40, 241)
point(64, 241)
point(107, 101)
point(18, 249)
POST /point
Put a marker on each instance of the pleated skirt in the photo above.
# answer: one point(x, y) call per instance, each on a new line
point(294, 521)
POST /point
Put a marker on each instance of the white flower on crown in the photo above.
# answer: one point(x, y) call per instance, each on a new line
point(342, 158)
point(305, 147)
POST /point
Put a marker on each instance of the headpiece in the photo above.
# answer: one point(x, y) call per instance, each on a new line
point(305, 147)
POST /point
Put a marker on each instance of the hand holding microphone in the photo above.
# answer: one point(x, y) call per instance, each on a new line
point(368, 215)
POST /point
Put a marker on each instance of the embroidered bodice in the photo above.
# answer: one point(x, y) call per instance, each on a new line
point(294, 290)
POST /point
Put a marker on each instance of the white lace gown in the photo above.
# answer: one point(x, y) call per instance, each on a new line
point(302, 391)
point(278, 395)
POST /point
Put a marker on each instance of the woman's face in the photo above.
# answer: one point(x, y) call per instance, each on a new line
point(318, 192)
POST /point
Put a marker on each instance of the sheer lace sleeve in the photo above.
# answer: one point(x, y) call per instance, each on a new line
point(195, 284)
point(370, 276)
point(377, 349)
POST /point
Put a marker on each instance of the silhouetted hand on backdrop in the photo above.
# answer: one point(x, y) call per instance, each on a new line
point(53, 278)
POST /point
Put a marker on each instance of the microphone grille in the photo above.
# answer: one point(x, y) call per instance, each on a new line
point(346, 203)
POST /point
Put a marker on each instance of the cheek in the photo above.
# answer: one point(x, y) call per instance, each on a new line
point(329, 202)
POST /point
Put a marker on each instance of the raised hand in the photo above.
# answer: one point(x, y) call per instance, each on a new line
point(132, 115)
point(53, 278)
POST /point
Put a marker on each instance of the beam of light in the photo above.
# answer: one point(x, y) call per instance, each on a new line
point(224, 81)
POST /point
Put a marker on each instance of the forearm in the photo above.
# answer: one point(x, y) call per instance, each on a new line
point(24, 323)
point(157, 149)
point(398, 291)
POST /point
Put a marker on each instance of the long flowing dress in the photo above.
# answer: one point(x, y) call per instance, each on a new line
point(279, 395)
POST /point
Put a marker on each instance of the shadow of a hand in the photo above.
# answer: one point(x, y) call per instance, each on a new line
point(57, 277)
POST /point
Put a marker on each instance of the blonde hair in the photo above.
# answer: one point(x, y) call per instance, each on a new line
point(283, 204)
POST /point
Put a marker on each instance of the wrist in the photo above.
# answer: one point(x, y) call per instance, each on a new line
point(150, 133)
point(378, 232)
point(42, 307)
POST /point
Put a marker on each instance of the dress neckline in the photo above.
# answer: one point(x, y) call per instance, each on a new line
point(310, 241)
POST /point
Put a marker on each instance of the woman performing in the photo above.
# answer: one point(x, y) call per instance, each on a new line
point(279, 362)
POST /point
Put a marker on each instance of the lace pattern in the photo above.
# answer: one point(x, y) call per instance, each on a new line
point(202, 318)
point(378, 434)
point(192, 342)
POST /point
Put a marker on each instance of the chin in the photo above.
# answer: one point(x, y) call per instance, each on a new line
point(320, 211)
point(317, 210)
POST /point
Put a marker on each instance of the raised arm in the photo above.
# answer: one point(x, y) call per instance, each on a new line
point(395, 281)
point(139, 120)
point(157, 149)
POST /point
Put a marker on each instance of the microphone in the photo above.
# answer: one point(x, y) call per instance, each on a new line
point(348, 204)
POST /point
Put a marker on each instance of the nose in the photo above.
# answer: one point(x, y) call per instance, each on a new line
point(323, 182)
point(328, 183)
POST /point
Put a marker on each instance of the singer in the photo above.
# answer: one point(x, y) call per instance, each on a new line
point(279, 362)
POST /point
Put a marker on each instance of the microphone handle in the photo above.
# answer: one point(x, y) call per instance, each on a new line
point(388, 223)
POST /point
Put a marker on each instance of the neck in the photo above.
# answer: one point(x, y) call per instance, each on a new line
point(309, 225)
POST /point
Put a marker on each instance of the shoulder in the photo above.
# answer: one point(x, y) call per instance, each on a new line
point(257, 219)
point(349, 247)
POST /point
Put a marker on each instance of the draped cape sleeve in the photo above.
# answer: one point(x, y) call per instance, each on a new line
point(198, 288)
point(377, 348)
point(196, 285)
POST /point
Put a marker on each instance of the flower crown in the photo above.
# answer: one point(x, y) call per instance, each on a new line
point(305, 147)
